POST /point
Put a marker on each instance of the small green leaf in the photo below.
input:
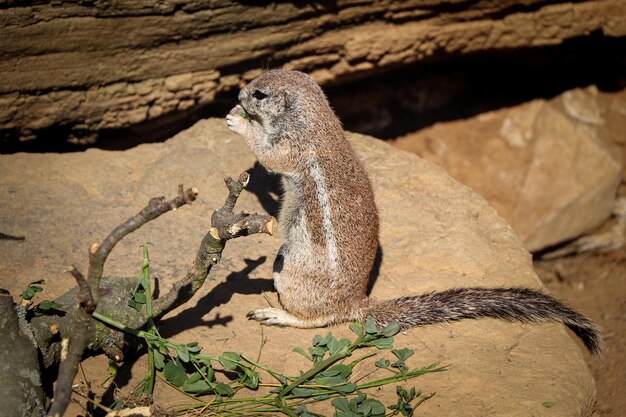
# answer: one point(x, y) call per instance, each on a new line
point(193, 347)
point(32, 289)
point(137, 300)
point(140, 297)
point(345, 388)
point(317, 351)
point(234, 356)
point(302, 352)
point(371, 407)
point(223, 389)
point(356, 328)
point(391, 330)
point(245, 115)
point(210, 373)
point(249, 378)
point(335, 375)
point(228, 364)
point(304, 392)
point(229, 360)
point(159, 359)
point(549, 404)
point(113, 368)
point(370, 326)
point(360, 397)
point(132, 304)
point(196, 376)
point(331, 380)
point(30, 292)
point(403, 354)
point(382, 363)
point(197, 387)
point(338, 346)
point(341, 404)
point(339, 369)
point(377, 408)
point(400, 365)
point(175, 373)
point(326, 340)
point(183, 353)
point(47, 307)
point(162, 345)
point(384, 343)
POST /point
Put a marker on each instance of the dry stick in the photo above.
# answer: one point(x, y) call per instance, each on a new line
point(225, 225)
point(155, 208)
point(88, 291)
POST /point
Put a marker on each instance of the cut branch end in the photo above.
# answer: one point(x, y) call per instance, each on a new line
point(94, 248)
point(272, 226)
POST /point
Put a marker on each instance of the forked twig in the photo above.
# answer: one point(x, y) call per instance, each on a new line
point(88, 291)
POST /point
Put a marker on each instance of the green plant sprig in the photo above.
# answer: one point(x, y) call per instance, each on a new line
point(187, 369)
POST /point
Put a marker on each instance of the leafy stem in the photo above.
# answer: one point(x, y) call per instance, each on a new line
point(186, 369)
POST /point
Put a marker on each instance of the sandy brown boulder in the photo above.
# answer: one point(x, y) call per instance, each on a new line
point(435, 234)
point(87, 66)
point(551, 169)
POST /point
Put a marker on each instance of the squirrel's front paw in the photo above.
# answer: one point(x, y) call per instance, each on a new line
point(236, 120)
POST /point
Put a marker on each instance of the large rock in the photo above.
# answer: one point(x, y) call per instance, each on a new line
point(435, 234)
point(87, 66)
point(551, 169)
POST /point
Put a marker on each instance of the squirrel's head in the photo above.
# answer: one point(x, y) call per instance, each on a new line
point(290, 120)
point(286, 101)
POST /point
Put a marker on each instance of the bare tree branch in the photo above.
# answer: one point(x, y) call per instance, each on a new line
point(225, 225)
point(105, 295)
point(88, 293)
point(157, 206)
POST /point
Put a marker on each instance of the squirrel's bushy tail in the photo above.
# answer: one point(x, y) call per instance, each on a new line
point(513, 304)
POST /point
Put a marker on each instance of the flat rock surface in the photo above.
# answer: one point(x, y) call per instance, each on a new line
point(435, 234)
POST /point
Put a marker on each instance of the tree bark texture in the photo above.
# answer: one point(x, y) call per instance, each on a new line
point(92, 65)
point(21, 393)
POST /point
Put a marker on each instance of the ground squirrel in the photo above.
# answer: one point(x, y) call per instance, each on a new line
point(329, 224)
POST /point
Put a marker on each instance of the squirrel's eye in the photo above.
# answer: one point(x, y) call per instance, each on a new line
point(259, 95)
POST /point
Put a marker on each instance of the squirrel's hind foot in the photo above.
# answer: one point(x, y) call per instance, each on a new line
point(280, 317)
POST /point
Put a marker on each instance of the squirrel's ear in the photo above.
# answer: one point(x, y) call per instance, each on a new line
point(289, 100)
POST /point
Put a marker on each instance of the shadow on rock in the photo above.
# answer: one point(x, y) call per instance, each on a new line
point(375, 272)
point(237, 282)
point(266, 186)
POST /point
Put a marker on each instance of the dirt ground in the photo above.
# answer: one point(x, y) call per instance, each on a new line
point(595, 284)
